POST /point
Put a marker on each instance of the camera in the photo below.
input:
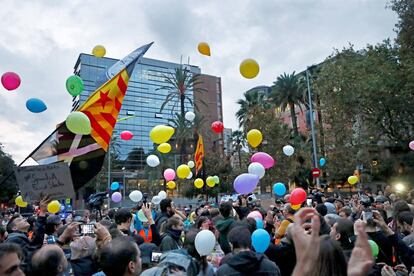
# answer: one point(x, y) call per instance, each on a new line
point(145, 197)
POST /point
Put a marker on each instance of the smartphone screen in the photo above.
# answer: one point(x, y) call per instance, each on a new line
point(86, 229)
point(309, 202)
point(155, 257)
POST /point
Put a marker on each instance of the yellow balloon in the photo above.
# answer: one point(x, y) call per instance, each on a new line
point(161, 134)
point(183, 171)
point(204, 48)
point(254, 137)
point(19, 202)
point(296, 207)
point(199, 183)
point(352, 179)
point(249, 68)
point(210, 181)
point(171, 185)
point(53, 207)
point(99, 51)
point(164, 148)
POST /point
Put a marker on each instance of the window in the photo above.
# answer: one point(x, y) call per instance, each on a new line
point(129, 112)
point(157, 115)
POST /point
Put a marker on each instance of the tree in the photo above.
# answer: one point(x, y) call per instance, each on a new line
point(253, 103)
point(8, 188)
point(286, 92)
point(239, 142)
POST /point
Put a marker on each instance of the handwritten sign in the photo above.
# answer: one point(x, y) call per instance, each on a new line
point(37, 181)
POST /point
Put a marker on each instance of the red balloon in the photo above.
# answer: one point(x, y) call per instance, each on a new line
point(298, 196)
point(217, 127)
point(126, 135)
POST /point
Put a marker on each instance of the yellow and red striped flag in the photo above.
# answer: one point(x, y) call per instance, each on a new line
point(199, 154)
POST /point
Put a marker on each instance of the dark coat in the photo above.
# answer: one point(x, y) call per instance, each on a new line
point(248, 263)
point(83, 266)
point(283, 256)
point(224, 226)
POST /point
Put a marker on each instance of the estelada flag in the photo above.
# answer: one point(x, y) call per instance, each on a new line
point(199, 154)
point(85, 153)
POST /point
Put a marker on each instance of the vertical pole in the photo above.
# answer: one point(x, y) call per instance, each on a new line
point(109, 176)
point(123, 197)
point(315, 157)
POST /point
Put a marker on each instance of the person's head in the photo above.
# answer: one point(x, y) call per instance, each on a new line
point(288, 210)
point(331, 219)
point(342, 231)
point(123, 217)
point(405, 222)
point(82, 247)
point(226, 209)
point(10, 258)
point(146, 250)
point(49, 260)
point(400, 206)
point(214, 212)
point(345, 212)
point(175, 223)
point(379, 202)
point(53, 223)
point(120, 257)
point(322, 210)
point(17, 223)
point(331, 260)
point(240, 238)
point(166, 206)
point(111, 213)
point(203, 223)
point(3, 234)
point(339, 203)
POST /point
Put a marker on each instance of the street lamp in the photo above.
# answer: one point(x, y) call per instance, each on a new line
point(399, 187)
point(315, 156)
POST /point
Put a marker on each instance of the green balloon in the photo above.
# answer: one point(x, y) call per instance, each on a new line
point(374, 248)
point(216, 179)
point(77, 122)
point(74, 85)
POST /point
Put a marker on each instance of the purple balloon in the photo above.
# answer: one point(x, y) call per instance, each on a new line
point(263, 158)
point(245, 183)
point(116, 197)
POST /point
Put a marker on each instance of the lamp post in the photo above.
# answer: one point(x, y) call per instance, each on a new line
point(315, 157)
point(124, 184)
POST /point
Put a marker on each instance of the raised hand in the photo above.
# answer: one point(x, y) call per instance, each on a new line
point(361, 258)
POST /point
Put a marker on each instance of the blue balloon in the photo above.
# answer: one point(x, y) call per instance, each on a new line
point(259, 224)
point(114, 186)
point(322, 162)
point(35, 105)
point(279, 189)
point(260, 240)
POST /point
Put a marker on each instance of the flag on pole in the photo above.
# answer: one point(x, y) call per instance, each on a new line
point(199, 154)
point(85, 153)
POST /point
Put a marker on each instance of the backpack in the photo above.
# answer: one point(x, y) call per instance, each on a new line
point(174, 260)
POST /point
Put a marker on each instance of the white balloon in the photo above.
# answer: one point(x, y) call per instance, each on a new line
point(191, 164)
point(135, 196)
point(257, 169)
point(190, 175)
point(153, 161)
point(162, 195)
point(288, 150)
point(205, 242)
point(189, 116)
point(156, 200)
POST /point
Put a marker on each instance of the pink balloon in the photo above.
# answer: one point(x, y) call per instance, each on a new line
point(255, 215)
point(126, 135)
point(411, 145)
point(116, 197)
point(263, 158)
point(169, 174)
point(10, 80)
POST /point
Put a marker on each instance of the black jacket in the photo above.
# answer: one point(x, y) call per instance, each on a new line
point(83, 266)
point(283, 256)
point(29, 246)
point(248, 263)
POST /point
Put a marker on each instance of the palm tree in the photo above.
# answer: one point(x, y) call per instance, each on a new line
point(238, 143)
point(178, 85)
point(286, 92)
point(254, 102)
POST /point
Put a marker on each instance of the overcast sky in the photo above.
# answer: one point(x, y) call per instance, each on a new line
point(41, 40)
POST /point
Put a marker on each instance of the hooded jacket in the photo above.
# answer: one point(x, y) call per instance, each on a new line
point(224, 226)
point(248, 263)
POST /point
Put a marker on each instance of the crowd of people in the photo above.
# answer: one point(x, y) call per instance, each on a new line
point(358, 234)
